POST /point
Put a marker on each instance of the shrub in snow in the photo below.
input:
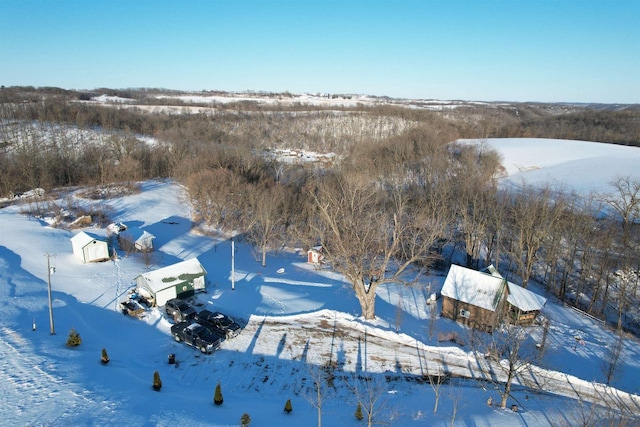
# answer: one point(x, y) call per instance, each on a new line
point(245, 420)
point(105, 357)
point(157, 382)
point(74, 339)
point(287, 406)
point(217, 397)
point(358, 413)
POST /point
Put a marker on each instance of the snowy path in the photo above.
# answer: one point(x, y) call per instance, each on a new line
point(334, 337)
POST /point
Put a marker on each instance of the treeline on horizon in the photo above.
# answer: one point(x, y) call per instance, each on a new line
point(394, 165)
point(608, 123)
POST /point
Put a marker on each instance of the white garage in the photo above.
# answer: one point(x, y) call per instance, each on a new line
point(178, 280)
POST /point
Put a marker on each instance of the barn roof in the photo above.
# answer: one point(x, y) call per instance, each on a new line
point(473, 287)
point(172, 275)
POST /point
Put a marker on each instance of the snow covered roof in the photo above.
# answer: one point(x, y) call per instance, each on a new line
point(520, 297)
point(82, 239)
point(472, 287)
point(524, 299)
point(138, 234)
point(172, 275)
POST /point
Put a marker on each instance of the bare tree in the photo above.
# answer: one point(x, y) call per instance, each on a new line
point(266, 227)
point(372, 236)
point(436, 378)
point(625, 200)
point(511, 343)
point(320, 390)
point(531, 213)
point(456, 403)
point(215, 194)
point(611, 361)
point(475, 196)
point(370, 393)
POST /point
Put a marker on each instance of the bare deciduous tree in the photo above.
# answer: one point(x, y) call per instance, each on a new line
point(319, 390)
point(611, 361)
point(510, 342)
point(372, 236)
point(625, 200)
point(265, 204)
point(370, 393)
point(531, 213)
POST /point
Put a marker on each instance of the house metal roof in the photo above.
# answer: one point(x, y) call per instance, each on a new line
point(166, 277)
point(524, 299)
point(472, 287)
point(520, 297)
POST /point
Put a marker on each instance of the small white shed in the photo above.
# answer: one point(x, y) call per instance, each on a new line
point(90, 248)
point(314, 255)
point(136, 238)
point(179, 280)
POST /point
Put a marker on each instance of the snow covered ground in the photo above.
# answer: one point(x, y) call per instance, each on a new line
point(293, 322)
point(581, 166)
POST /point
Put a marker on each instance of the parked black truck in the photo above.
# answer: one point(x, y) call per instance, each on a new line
point(196, 335)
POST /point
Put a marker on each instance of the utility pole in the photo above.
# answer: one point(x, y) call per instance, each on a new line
point(50, 270)
point(233, 273)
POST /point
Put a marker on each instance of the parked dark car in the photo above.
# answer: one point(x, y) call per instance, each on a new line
point(219, 321)
point(179, 310)
point(196, 335)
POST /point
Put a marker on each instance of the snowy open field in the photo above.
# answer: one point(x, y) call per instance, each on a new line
point(581, 166)
point(293, 321)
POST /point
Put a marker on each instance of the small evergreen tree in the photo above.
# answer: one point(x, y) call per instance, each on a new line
point(74, 339)
point(287, 406)
point(245, 420)
point(157, 382)
point(358, 413)
point(217, 397)
point(105, 357)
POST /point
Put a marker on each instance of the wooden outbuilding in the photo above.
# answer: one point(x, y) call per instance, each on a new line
point(482, 299)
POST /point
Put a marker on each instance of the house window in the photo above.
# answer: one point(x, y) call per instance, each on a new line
point(464, 313)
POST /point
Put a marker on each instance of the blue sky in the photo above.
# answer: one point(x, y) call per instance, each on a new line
point(509, 50)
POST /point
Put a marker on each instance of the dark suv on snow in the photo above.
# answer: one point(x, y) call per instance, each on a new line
point(179, 310)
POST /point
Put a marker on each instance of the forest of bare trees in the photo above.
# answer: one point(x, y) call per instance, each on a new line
point(401, 196)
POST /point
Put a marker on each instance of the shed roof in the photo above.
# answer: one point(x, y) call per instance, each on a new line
point(82, 239)
point(137, 234)
point(172, 275)
point(472, 287)
point(524, 299)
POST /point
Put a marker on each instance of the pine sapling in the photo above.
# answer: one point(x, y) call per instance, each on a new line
point(73, 340)
point(157, 382)
point(287, 406)
point(217, 397)
point(245, 420)
point(358, 413)
point(104, 359)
